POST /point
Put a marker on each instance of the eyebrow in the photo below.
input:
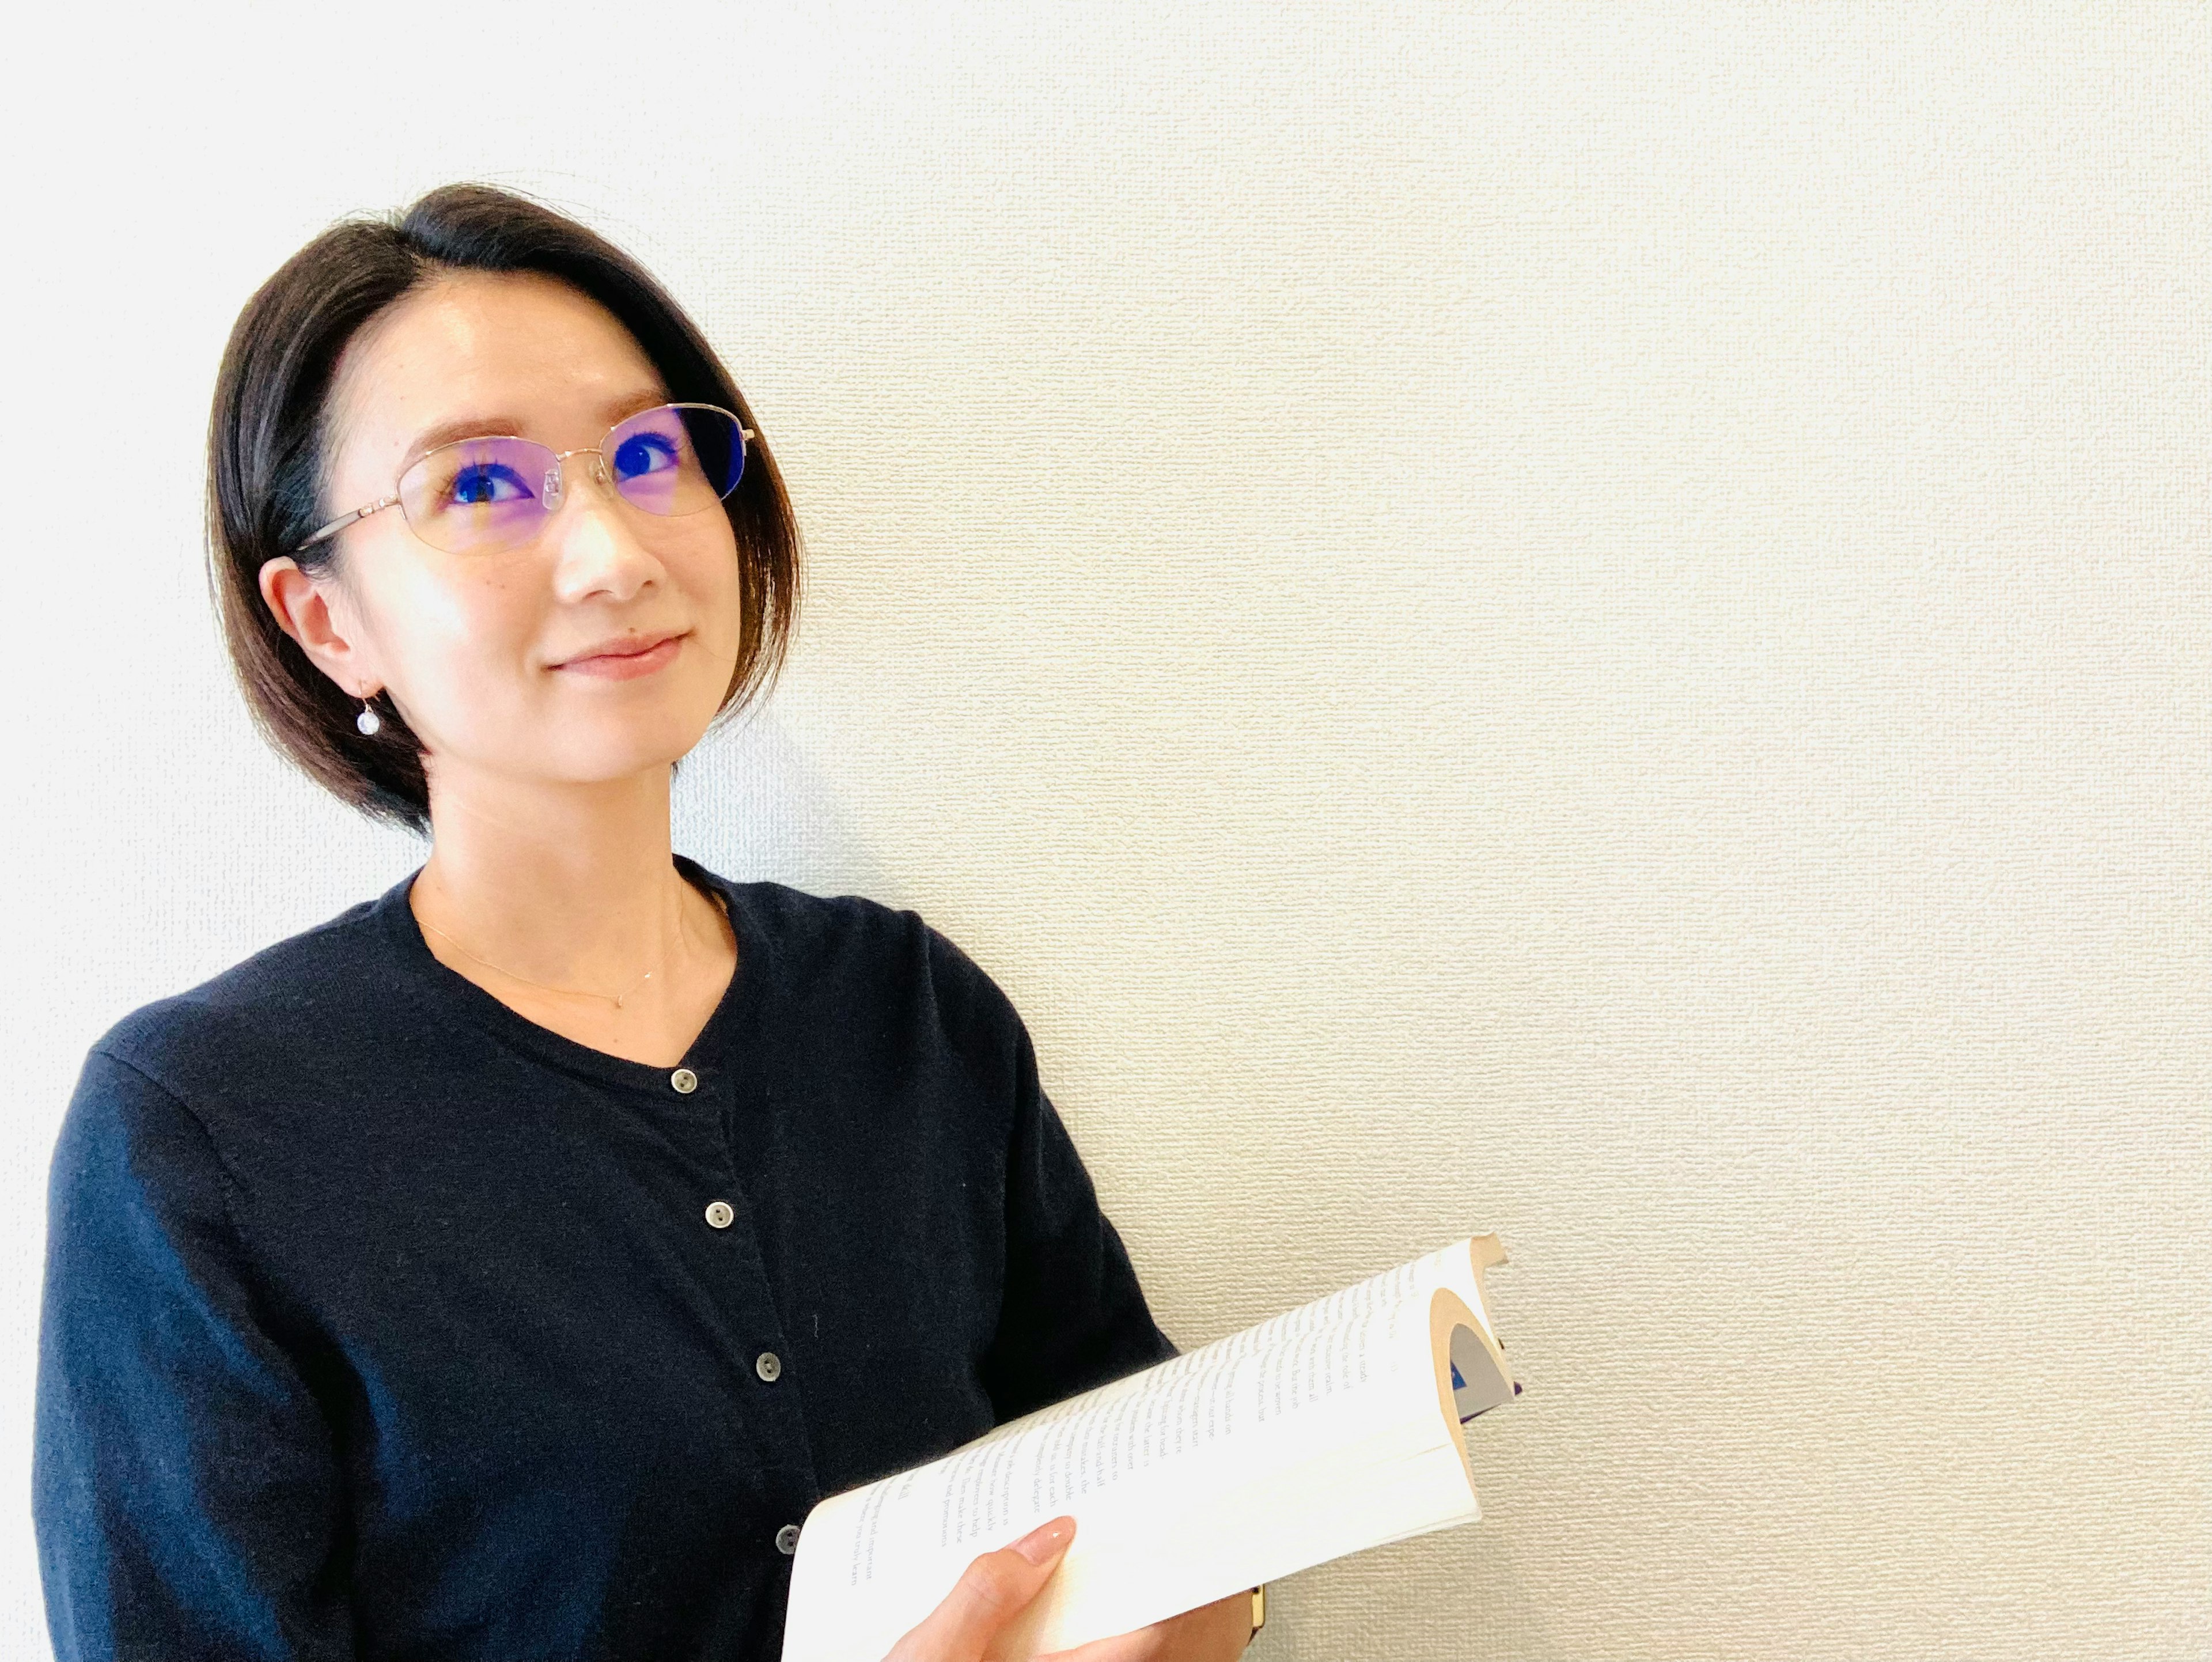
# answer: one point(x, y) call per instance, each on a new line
point(479, 427)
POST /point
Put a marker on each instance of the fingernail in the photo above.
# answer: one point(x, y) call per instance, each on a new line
point(1046, 1540)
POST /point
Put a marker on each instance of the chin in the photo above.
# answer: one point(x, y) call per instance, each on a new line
point(634, 749)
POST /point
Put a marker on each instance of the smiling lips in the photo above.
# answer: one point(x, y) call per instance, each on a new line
point(625, 660)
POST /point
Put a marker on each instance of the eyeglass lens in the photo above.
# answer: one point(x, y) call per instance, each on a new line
point(482, 494)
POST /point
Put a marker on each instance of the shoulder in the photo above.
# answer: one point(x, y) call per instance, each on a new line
point(813, 935)
point(867, 956)
point(816, 937)
point(310, 992)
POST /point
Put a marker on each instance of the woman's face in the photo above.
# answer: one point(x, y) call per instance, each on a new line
point(503, 662)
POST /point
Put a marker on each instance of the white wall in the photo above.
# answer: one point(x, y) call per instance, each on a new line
point(1588, 621)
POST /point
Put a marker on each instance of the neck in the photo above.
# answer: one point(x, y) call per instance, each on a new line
point(573, 886)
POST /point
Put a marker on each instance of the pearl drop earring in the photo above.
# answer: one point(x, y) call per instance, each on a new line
point(368, 721)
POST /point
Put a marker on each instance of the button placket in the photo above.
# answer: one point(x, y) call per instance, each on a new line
point(775, 1413)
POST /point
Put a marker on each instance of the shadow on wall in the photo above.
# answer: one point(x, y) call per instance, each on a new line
point(749, 804)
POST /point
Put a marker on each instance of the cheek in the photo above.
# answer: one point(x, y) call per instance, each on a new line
point(710, 582)
point(469, 636)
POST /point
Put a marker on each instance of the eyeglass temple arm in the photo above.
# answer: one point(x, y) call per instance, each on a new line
point(343, 520)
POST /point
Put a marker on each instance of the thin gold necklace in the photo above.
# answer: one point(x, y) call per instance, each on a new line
point(568, 992)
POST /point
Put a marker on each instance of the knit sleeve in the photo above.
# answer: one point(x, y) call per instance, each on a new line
point(1072, 1315)
point(185, 1491)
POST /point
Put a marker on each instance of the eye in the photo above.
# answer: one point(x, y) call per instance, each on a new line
point(484, 482)
point(645, 453)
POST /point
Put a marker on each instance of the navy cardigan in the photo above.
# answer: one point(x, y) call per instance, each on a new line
point(381, 1321)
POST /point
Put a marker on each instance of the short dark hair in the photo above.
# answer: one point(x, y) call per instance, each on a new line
point(268, 458)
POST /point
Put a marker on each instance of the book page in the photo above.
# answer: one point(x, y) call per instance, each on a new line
point(1331, 1427)
point(1218, 1401)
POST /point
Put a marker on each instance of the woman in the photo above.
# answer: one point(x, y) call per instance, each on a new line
point(503, 1268)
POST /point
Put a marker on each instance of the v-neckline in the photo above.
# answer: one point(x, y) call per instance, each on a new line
point(446, 989)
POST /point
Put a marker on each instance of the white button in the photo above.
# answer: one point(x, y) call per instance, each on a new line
point(719, 1214)
point(787, 1539)
point(768, 1365)
point(684, 1080)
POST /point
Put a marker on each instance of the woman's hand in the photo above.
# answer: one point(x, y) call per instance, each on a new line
point(999, 1586)
point(990, 1591)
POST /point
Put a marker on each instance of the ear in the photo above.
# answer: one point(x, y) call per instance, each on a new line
point(329, 635)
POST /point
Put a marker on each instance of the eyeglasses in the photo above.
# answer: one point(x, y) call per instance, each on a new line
point(482, 496)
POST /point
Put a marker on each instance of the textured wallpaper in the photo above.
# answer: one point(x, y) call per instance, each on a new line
point(1591, 623)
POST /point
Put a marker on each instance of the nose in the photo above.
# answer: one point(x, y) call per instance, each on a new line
point(598, 551)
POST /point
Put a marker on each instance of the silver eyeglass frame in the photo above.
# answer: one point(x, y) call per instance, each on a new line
point(745, 435)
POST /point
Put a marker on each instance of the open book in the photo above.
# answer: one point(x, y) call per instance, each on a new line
point(1335, 1428)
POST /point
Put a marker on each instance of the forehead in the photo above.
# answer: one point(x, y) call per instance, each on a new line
point(487, 352)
